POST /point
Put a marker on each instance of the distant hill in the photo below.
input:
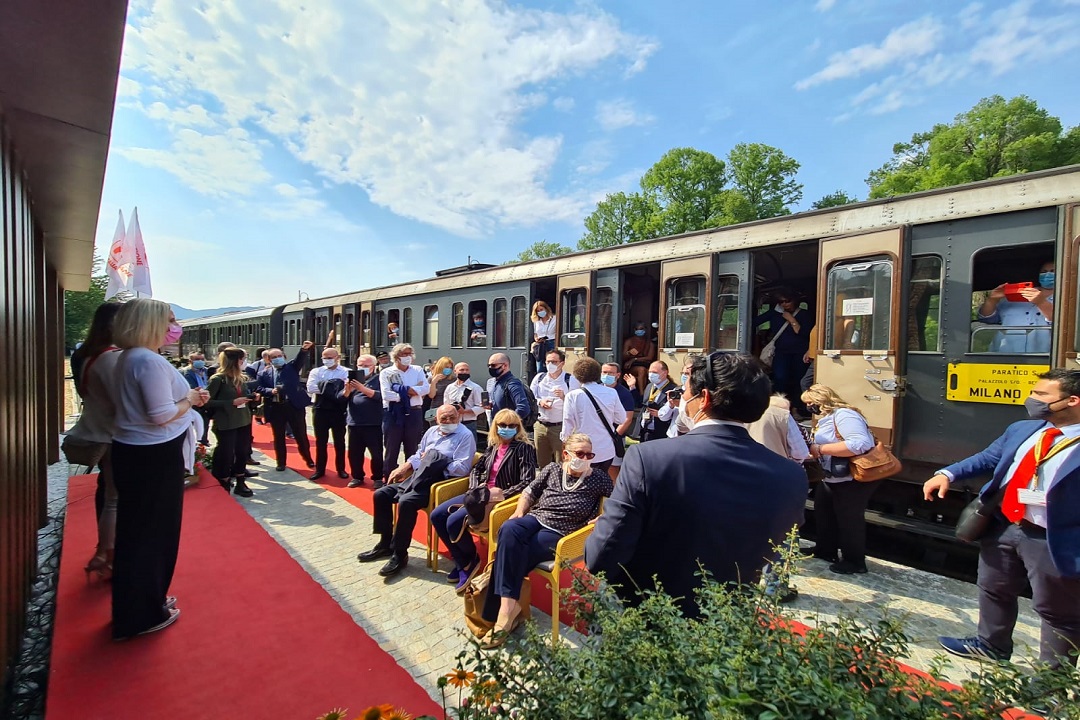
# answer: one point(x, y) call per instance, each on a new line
point(183, 313)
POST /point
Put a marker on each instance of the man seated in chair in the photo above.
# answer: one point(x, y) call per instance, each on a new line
point(446, 451)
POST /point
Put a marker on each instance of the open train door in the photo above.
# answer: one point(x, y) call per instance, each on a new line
point(859, 323)
point(367, 311)
point(686, 286)
point(1067, 288)
point(574, 315)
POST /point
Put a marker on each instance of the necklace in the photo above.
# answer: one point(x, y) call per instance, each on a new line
point(567, 487)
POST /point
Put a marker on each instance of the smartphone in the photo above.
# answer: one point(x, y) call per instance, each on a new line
point(355, 375)
point(1012, 291)
point(485, 398)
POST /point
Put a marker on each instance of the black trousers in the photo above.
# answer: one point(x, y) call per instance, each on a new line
point(397, 436)
point(150, 487)
point(231, 452)
point(326, 422)
point(365, 438)
point(840, 518)
point(409, 504)
point(280, 415)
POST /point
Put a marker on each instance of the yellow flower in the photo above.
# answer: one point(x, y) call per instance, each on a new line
point(377, 712)
point(335, 714)
point(461, 678)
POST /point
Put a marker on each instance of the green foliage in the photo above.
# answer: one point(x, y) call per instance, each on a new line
point(685, 191)
point(833, 199)
point(79, 307)
point(765, 176)
point(542, 249)
point(995, 138)
point(618, 219)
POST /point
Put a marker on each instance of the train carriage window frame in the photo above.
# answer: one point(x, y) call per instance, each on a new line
point(350, 330)
point(457, 325)
point(500, 325)
point(686, 309)
point(406, 325)
point(728, 315)
point(365, 327)
point(573, 317)
point(604, 302)
point(520, 323)
point(924, 298)
point(380, 328)
point(431, 326)
point(870, 318)
point(478, 340)
point(988, 266)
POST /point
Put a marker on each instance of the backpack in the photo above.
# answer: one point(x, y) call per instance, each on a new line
point(534, 407)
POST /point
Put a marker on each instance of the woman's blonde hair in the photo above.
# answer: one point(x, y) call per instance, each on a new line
point(577, 439)
point(506, 416)
point(142, 322)
point(441, 364)
point(229, 367)
point(826, 398)
point(541, 305)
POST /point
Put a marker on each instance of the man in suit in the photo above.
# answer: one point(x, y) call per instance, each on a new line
point(286, 399)
point(1036, 536)
point(654, 398)
point(712, 496)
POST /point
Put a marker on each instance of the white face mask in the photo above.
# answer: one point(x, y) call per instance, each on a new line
point(683, 421)
point(579, 465)
point(364, 371)
point(541, 313)
point(553, 368)
point(448, 428)
point(405, 360)
point(329, 362)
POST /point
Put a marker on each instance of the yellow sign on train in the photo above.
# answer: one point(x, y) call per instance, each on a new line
point(992, 383)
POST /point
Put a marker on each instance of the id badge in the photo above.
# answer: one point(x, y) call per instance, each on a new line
point(1032, 497)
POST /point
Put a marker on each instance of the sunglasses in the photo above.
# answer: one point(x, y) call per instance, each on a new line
point(582, 455)
point(507, 425)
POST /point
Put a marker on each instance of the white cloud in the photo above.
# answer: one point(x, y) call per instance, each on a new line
point(618, 114)
point(127, 87)
point(913, 40)
point(1018, 38)
point(184, 117)
point(969, 16)
point(420, 105)
point(824, 5)
point(563, 104)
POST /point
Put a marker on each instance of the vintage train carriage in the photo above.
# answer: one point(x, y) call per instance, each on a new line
point(249, 329)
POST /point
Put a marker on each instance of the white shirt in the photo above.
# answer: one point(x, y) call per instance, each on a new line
point(545, 327)
point(543, 387)
point(455, 390)
point(148, 388)
point(412, 376)
point(322, 374)
point(580, 416)
point(1048, 473)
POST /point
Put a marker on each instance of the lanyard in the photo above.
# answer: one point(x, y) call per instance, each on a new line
point(1039, 460)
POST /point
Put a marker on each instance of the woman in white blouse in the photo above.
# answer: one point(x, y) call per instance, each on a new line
point(153, 414)
point(593, 410)
point(544, 330)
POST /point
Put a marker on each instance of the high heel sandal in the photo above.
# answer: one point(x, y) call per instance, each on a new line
point(98, 566)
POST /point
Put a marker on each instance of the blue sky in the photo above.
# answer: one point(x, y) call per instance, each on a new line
point(274, 147)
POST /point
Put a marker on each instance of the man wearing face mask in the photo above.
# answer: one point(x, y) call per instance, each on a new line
point(1036, 311)
point(364, 397)
point(383, 359)
point(550, 389)
point(326, 384)
point(1036, 534)
point(729, 498)
point(465, 395)
point(655, 398)
point(286, 401)
point(630, 399)
point(403, 387)
point(446, 451)
point(197, 377)
point(507, 391)
point(673, 412)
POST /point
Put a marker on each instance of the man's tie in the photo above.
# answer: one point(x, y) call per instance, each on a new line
point(1011, 506)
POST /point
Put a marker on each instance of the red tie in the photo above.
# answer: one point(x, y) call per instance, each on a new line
point(1011, 506)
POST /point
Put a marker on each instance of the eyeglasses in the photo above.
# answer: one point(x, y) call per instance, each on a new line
point(496, 366)
point(581, 454)
point(504, 426)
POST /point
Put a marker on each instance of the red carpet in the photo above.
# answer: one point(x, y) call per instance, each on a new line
point(258, 638)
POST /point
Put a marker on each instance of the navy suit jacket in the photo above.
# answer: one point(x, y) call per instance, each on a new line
point(1062, 502)
point(713, 495)
point(289, 376)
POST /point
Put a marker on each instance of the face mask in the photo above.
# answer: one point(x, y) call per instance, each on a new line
point(463, 376)
point(683, 378)
point(478, 323)
point(364, 371)
point(654, 378)
point(277, 362)
point(173, 334)
point(329, 362)
point(448, 428)
point(813, 409)
point(1039, 409)
point(405, 360)
point(1046, 279)
point(639, 333)
point(384, 365)
point(447, 371)
point(198, 364)
point(553, 368)
point(579, 465)
point(608, 380)
point(507, 433)
point(495, 371)
point(541, 313)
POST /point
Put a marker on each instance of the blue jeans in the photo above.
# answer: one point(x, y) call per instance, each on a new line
point(541, 359)
point(523, 544)
point(448, 524)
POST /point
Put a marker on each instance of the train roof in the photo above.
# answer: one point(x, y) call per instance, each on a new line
point(998, 195)
point(239, 316)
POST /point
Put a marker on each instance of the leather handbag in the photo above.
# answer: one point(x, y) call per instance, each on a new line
point(83, 452)
point(477, 596)
point(875, 464)
point(978, 517)
point(768, 353)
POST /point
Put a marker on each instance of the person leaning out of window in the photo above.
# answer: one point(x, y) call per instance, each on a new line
point(1035, 311)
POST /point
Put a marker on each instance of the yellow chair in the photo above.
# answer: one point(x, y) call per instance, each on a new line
point(571, 549)
point(440, 493)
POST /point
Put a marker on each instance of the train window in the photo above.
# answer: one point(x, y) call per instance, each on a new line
point(727, 313)
point(457, 325)
point(380, 327)
point(685, 326)
point(292, 332)
point(520, 324)
point(860, 296)
point(573, 317)
point(350, 329)
point(603, 303)
point(431, 326)
point(501, 322)
point(478, 323)
point(924, 305)
point(1012, 320)
point(393, 330)
point(365, 328)
point(406, 325)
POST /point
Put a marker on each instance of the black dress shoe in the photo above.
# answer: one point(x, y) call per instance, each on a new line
point(377, 483)
point(355, 483)
point(392, 568)
point(225, 483)
point(342, 474)
point(316, 475)
point(310, 464)
point(249, 473)
point(847, 568)
point(242, 489)
point(376, 553)
point(280, 468)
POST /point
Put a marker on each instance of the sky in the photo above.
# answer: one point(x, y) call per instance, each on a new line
point(275, 147)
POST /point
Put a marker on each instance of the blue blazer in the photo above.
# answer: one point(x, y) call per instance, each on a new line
point(289, 376)
point(1062, 502)
point(713, 495)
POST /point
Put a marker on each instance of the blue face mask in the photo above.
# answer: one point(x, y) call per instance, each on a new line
point(447, 371)
point(198, 364)
point(639, 333)
point(277, 362)
point(507, 433)
point(1046, 279)
point(683, 378)
point(654, 378)
point(607, 379)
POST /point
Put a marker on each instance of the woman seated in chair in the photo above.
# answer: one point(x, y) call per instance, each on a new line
point(508, 465)
point(564, 498)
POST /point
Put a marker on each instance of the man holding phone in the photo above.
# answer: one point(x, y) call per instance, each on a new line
point(363, 394)
point(465, 395)
point(656, 397)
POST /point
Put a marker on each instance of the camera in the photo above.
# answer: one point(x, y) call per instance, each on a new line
point(674, 394)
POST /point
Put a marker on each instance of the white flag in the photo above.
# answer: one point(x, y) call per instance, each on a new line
point(119, 263)
point(141, 278)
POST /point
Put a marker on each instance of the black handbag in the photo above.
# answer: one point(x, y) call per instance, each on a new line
point(977, 519)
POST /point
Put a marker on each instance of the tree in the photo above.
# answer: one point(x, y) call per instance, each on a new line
point(542, 249)
point(833, 199)
point(685, 189)
point(995, 138)
point(766, 178)
point(618, 219)
point(79, 307)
